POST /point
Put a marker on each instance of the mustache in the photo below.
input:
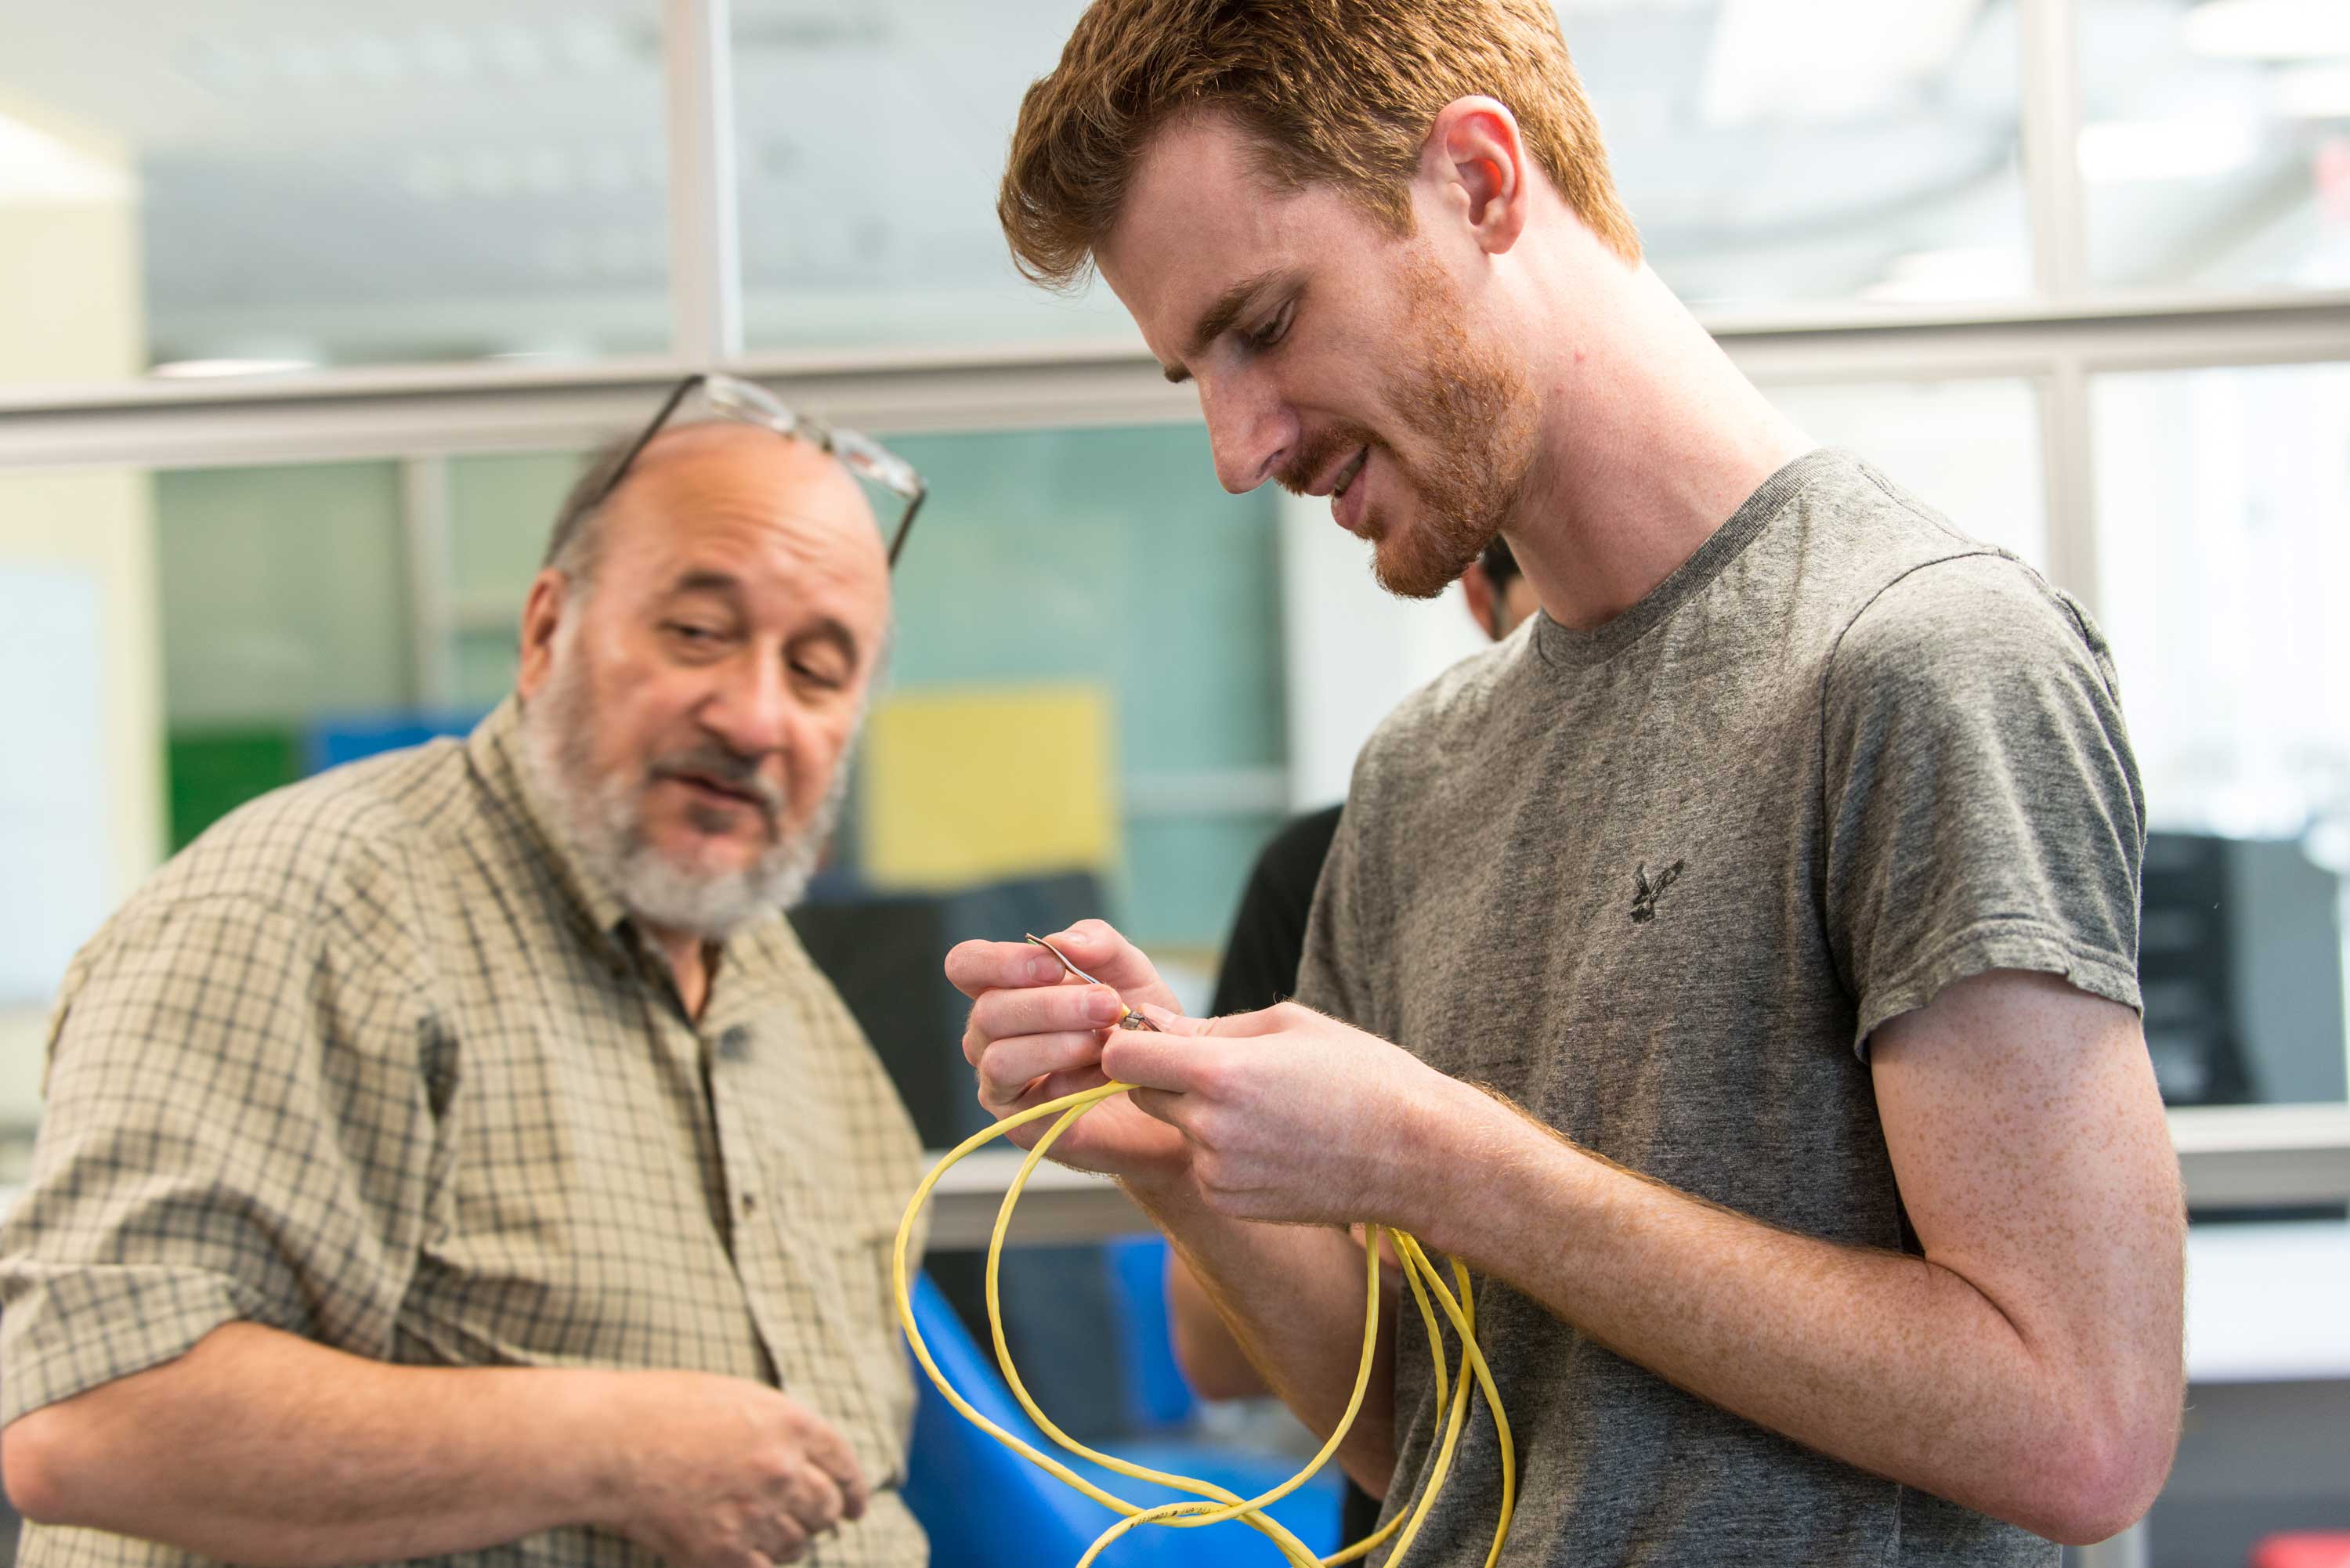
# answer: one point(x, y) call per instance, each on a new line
point(1314, 453)
point(730, 769)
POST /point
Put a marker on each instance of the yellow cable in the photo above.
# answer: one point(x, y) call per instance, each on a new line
point(1070, 1105)
point(1178, 1514)
point(1215, 1504)
point(1409, 1520)
point(1372, 1542)
point(1461, 1313)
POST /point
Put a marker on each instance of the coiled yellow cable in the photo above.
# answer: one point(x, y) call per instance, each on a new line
point(1217, 1505)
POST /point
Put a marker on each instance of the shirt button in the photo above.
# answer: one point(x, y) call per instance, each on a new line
point(750, 1203)
point(734, 1042)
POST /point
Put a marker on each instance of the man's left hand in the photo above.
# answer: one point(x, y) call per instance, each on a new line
point(1292, 1115)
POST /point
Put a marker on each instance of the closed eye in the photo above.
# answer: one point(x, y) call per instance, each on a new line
point(1274, 331)
point(823, 680)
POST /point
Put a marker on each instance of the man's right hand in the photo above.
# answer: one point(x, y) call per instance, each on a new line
point(1036, 1034)
point(719, 1472)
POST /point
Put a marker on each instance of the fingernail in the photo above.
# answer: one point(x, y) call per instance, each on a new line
point(1103, 1006)
point(1043, 969)
point(1158, 1014)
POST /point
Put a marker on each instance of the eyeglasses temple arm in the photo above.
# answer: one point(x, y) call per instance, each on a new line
point(906, 525)
point(627, 459)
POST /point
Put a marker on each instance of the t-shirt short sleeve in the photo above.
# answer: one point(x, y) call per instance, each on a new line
point(237, 1129)
point(1983, 810)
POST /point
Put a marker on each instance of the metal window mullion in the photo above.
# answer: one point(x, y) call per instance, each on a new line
point(2055, 198)
point(2068, 465)
point(395, 413)
point(706, 273)
point(432, 622)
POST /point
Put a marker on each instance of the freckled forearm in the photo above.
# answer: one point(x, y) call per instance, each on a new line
point(1890, 1363)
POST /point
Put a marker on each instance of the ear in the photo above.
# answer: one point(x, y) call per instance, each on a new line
point(1479, 588)
point(542, 617)
point(1477, 168)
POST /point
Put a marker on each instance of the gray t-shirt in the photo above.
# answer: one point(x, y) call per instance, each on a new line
point(1657, 882)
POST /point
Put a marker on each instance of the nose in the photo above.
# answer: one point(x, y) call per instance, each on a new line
point(1248, 429)
point(751, 707)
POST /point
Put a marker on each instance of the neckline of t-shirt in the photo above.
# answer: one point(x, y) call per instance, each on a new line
point(1564, 646)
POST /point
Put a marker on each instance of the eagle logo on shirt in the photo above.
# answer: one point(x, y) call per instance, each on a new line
point(1644, 899)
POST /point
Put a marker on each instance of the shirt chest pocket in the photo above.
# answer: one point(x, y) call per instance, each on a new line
point(582, 1217)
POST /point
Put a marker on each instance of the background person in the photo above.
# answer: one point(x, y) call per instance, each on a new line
point(456, 1155)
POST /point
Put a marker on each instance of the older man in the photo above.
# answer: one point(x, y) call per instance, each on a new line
point(456, 1155)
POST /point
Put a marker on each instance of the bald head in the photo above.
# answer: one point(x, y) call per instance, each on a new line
point(794, 476)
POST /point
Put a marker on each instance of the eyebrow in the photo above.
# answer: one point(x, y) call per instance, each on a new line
point(1218, 319)
point(827, 628)
point(707, 581)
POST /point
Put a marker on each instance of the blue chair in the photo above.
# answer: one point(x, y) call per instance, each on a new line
point(1158, 1398)
point(986, 1507)
point(335, 739)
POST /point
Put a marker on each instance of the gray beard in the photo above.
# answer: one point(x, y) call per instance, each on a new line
point(601, 824)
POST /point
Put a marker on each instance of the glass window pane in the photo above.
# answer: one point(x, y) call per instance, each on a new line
point(1776, 152)
point(487, 657)
point(1111, 560)
point(2223, 548)
point(2216, 144)
point(1771, 152)
point(1970, 449)
point(281, 593)
point(500, 510)
point(898, 244)
point(286, 184)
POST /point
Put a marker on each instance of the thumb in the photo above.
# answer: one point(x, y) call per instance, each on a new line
point(1230, 1026)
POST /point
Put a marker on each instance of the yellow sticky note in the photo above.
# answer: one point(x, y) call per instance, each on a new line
point(968, 785)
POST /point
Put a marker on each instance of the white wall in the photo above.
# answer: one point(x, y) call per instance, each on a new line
point(1352, 649)
point(70, 257)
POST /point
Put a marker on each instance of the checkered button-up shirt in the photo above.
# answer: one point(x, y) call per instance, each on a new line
point(372, 1062)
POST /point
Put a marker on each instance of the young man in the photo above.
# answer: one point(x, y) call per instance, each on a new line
point(1757, 936)
point(456, 1155)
